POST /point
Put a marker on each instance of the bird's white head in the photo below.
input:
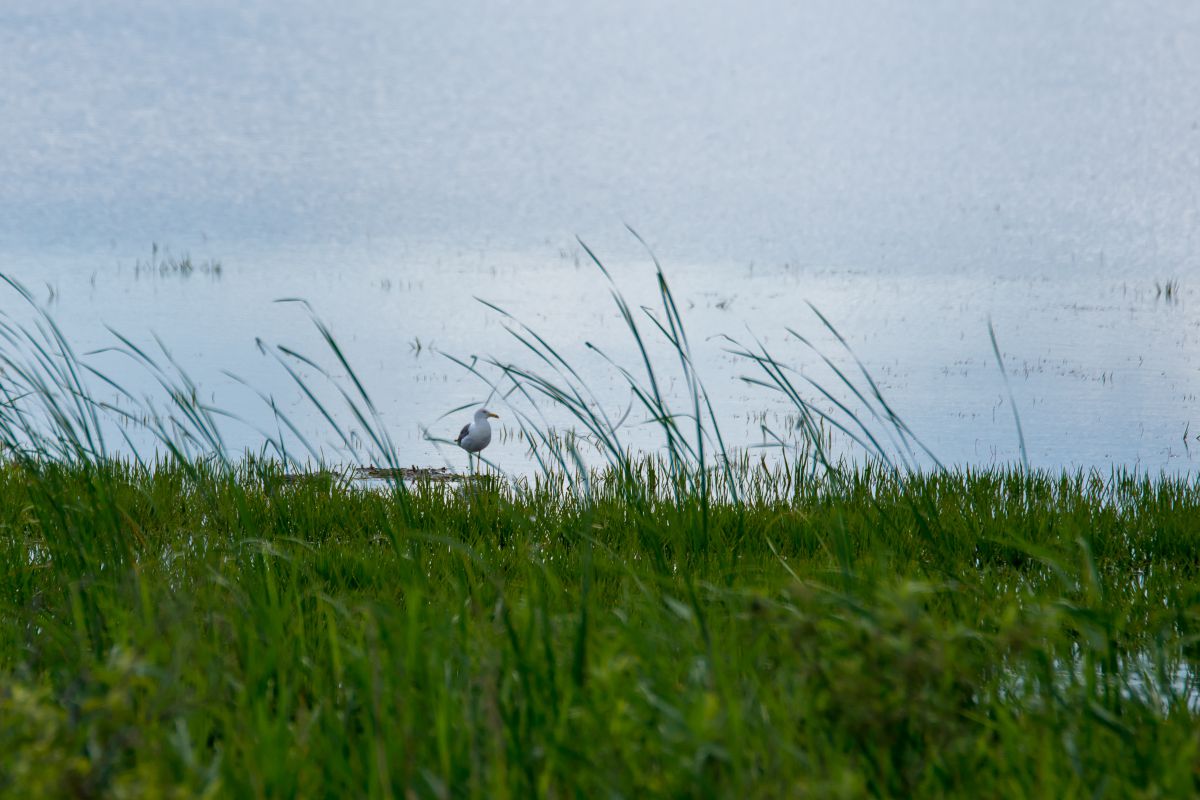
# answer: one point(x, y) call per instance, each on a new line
point(483, 414)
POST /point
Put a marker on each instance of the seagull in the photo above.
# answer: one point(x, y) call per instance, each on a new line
point(476, 435)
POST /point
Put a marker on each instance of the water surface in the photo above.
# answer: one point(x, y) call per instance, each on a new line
point(913, 169)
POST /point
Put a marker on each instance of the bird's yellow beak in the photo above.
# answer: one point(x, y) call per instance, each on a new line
point(495, 416)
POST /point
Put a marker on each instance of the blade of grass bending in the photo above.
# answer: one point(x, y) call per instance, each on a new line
point(781, 383)
point(280, 417)
point(778, 374)
point(1011, 400)
point(574, 377)
point(900, 446)
point(299, 381)
point(895, 419)
point(631, 323)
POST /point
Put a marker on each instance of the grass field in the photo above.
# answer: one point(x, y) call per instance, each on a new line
point(191, 631)
point(692, 623)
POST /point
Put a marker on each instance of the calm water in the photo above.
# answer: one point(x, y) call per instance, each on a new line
point(913, 169)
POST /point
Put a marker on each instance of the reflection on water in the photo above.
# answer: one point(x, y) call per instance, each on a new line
point(913, 170)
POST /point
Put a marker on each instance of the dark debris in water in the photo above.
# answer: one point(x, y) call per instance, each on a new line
point(413, 473)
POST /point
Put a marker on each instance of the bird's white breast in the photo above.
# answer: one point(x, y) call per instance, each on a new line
point(479, 435)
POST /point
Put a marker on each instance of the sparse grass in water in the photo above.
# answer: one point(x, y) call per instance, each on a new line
point(1167, 290)
point(162, 264)
point(695, 624)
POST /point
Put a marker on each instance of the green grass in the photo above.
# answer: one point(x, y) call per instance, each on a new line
point(694, 623)
point(188, 630)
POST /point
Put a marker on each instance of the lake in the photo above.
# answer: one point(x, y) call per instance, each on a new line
point(913, 169)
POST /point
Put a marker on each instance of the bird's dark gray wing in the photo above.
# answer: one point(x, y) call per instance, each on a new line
point(463, 433)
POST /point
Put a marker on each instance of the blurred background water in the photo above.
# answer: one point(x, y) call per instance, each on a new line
point(914, 169)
